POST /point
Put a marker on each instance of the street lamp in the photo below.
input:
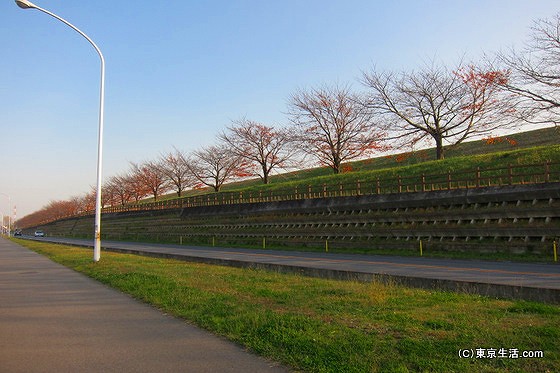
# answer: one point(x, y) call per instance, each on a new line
point(9, 217)
point(24, 4)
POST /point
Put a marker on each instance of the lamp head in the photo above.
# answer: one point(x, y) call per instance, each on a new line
point(25, 4)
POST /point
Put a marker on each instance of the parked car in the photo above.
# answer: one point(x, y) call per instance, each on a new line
point(39, 233)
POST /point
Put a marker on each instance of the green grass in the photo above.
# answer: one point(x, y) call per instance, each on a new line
point(456, 156)
point(536, 251)
point(460, 167)
point(384, 174)
point(317, 325)
point(532, 147)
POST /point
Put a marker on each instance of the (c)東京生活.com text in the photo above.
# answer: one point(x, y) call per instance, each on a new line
point(499, 353)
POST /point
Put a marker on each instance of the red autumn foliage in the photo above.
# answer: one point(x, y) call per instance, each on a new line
point(263, 148)
point(491, 140)
point(346, 168)
point(438, 104)
point(333, 126)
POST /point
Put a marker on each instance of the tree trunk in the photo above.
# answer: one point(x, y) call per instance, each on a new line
point(265, 171)
point(439, 147)
point(336, 164)
point(336, 169)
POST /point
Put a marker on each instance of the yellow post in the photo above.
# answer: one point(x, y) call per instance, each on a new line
point(420, 247)
point(264, 243)
point(555, 251)
point(327, 246)
point(213, 241)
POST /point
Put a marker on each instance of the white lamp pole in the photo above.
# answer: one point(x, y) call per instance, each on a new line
point(9, 217)
point(24, 4)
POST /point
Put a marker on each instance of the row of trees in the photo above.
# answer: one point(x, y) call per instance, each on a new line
point(333, 125)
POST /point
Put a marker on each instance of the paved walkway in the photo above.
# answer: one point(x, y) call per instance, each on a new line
point(531, 281)
point(53, 319)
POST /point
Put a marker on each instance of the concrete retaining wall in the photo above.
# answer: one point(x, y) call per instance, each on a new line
point(516, 218)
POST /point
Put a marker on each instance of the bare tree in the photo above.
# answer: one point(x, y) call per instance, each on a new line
point(213, 166)
point(60, 209)
point(78, 203)
point(175, 168)
point(55, 210)
point(121, 188)
point(88, 200)
point(265, 147)
point(332, 125)
point(136, 186)
point(437, 104)
point(151, 177)
point(109, 196)
point(535, 73)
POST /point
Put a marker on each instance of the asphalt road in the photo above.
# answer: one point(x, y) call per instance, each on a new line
point(53, 319)
point(528, 275)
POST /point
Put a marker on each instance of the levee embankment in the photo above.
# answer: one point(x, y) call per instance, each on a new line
point(516, 218)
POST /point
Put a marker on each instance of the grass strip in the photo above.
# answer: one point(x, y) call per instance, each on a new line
point(368, 172)
point(318, 325)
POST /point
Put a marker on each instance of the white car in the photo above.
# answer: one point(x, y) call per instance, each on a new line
point(39, 233)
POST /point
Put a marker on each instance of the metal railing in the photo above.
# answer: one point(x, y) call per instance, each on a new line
point(398, 183)
point(475, 178)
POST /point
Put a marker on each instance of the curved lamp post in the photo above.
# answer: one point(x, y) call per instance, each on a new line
point(24, 4)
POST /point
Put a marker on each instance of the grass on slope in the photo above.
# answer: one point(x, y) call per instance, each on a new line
point(413, 173)
point(317, 325)
point(532, 147)
point(523, 140)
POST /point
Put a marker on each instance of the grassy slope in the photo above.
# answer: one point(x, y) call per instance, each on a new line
point(530, 139)
point(536, 155)
point(532, 147)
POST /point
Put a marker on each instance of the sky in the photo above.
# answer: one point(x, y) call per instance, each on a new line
point(178, 72)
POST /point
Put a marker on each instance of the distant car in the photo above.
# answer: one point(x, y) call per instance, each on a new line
point(17, 232)
point(39, 233)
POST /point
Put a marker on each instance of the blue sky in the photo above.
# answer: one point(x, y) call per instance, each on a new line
point(178, 72)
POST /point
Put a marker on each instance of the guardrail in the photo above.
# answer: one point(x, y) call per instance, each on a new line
point(464, 179)
point(477, 178)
